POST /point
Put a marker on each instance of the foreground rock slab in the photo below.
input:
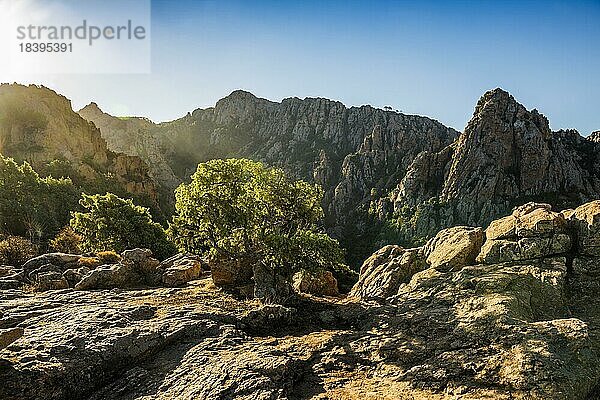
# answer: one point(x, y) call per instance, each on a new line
point(415, 327)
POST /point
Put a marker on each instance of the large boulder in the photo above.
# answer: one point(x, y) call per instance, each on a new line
point(230, 273)
point(108, 277)
point(320, 283)
point(585, 221)
point(532, 231)
point(137, 268)
point(180, 269)
point(60, 260)
point(142, 263)
point(382, 274)
point(50, 280)
point(74, 275)
point(454, 248)
point(48, 277)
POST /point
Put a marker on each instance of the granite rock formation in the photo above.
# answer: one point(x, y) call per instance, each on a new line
point(506, 156)
point(356, 154)
point(497, 328)
point(408, 169)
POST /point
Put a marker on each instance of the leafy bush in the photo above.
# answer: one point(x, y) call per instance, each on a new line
point(237, 209)
point(112, 223)
point(90, 262)
point(16, 251)
point(33, 206)
point(66, 241)
point(108, 257)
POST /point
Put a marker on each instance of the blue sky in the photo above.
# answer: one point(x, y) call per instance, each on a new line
point(431, 58)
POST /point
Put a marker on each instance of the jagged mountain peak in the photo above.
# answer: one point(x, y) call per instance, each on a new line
point(93, 106)
point(594, 136)
point(498, 106)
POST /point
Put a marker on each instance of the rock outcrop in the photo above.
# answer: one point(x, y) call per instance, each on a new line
point(506, 156)
point(424, 328)
point(320, 283)
point(181, 268)
point(529, 306)
point(39, 126)
point(134, 268)
point(382, 274)
point(453, 247)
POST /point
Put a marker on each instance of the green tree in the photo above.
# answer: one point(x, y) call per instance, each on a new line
point(239, 210)
point(30, 205)
point(112, 223)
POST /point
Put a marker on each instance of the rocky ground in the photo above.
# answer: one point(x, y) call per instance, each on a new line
point(509, 312)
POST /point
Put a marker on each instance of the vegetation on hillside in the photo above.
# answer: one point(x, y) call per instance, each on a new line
point(32, 206)
point(232, 210)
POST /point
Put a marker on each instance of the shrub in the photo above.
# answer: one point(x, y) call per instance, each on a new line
point(90, 262)
point(115, 224)
point(108, 257)
point(31, 205)
point(16, 251)
point(66, 241)
point(239, 210)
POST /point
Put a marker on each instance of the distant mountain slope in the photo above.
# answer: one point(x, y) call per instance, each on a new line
point(356, 154)
point(409, 169)
point(39, 126)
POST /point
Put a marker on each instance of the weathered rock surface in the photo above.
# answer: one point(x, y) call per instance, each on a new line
point(454, 247)
point(520, 329)
point(532, 231)
point(60, 260)
point(382, 274)
point(320, 283)
point(510, 321)
point(137, 268)
point(180, 269)
point(586, 222)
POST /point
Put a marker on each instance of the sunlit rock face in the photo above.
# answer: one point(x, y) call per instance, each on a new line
point(506, 156)
point(444, 321)
point(39, 126)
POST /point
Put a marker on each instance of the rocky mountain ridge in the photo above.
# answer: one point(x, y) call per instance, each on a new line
point(408, 169)
point(353, 153)
point(506, 155)
point(39, 126)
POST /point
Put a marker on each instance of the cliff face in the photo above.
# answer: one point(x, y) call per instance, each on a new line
point(505, 156)
point(133, 136)
point(38, 125)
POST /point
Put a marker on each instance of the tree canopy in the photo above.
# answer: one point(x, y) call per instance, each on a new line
point(112, 223)
point(30, 205)
point(239, 209)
